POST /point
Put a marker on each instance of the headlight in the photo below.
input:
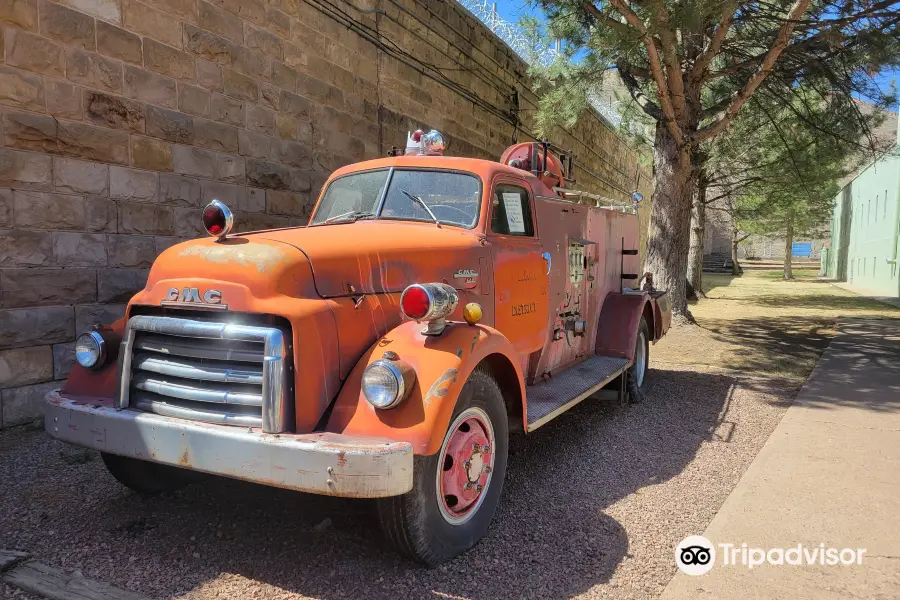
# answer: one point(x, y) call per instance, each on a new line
point(385, 383)
point(90, 350)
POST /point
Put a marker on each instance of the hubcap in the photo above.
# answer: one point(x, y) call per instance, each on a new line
point(465, 465)
point(640, 359)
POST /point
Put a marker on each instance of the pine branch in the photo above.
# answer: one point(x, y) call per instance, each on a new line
point(634, 89)
point(662, 90)
point(713, 46)
point(599, 15)
point(741, 96)
point(670, 57)
point(818, 39)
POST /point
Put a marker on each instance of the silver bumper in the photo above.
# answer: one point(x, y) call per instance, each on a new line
point(320, 463)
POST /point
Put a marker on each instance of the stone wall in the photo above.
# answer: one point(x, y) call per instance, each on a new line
point(120, 119)
point(772, 248)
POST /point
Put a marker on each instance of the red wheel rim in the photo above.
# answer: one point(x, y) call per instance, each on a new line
point(465, 465)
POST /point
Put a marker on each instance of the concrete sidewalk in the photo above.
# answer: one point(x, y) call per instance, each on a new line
point(829, 473)
point(892, 300)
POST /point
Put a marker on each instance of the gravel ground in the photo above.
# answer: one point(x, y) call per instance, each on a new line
point(593, 506)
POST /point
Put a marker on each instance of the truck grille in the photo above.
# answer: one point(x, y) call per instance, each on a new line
point(205, 371)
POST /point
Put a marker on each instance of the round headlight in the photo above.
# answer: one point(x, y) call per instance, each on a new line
point(90, 350)
point(385, 384)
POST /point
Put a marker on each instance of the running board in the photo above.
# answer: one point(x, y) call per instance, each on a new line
point(549, 399)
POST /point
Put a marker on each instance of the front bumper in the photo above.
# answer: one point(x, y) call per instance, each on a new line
point(320, 463)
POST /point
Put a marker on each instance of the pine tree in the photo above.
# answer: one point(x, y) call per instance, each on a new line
point(779, 173)
point(692, 65)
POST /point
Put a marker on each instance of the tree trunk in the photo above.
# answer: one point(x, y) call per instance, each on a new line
point(698, 231)
point(788, 246)
point(670, 221)
point(735, 267)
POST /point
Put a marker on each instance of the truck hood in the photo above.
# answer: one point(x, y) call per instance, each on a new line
point(380, 256)
point(250, 266)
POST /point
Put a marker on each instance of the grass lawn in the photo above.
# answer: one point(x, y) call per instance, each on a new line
point(760, 323)
point(778, 274)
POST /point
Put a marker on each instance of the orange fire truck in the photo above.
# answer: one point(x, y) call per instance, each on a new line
point(386, 350)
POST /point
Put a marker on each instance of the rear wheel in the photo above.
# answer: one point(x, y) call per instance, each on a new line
point(456, 490)
point(146, 477)
point(638, 371)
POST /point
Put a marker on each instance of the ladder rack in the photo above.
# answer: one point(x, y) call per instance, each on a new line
point(607, 203)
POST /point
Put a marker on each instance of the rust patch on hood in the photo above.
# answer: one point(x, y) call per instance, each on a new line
point(261, 256)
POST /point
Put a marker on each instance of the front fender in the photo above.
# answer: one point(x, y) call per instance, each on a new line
point(442, 364)
point(96, 386)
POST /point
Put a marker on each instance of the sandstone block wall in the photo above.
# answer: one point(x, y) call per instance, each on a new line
point(120, 119)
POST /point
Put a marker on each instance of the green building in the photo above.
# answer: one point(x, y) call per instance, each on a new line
point(865, 230)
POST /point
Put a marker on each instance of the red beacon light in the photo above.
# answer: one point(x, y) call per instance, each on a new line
point(429, 302)
point(217, 219)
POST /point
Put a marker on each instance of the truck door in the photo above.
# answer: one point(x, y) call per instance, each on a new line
point(520, 272)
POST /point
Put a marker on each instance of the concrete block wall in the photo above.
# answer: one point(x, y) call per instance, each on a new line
point(120, 119)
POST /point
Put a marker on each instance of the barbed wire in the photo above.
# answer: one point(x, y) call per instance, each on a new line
point(514, 37)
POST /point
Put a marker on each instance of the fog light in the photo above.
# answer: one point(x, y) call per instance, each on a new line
point(472, 313)
point(90, 350)
point(385, 383)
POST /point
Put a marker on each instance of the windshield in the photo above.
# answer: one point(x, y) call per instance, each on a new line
point(451, 197)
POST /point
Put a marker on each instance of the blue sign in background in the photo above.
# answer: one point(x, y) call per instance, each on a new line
point(801, 249)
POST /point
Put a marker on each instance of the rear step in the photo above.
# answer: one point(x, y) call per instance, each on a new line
point(549, 399)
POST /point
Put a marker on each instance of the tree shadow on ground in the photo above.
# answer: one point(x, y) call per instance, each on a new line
point(859, 368)
point(551, 536)
point(786, 345)
point(818, 302)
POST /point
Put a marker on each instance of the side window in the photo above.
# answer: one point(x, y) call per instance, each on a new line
point(511, 213)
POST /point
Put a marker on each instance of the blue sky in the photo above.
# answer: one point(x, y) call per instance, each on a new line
point(513, 10)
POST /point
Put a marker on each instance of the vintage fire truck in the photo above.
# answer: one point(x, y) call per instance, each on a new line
point(431, 306)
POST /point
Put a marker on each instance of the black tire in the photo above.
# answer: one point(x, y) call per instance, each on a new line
point(414, 522)
point(635, 384)
point(147, 477)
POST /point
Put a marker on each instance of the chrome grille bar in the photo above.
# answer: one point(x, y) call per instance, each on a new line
point(156, 404)
point(209, 392)
point(197, 370)
point(163, 381)
point(157, 343)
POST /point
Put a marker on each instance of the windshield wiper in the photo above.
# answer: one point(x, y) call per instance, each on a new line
point(353, 215)
point(421, 203)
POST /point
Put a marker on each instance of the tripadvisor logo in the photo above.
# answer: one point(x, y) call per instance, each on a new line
point(696, 555)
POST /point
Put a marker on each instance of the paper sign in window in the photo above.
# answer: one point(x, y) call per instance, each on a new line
point(515, 220)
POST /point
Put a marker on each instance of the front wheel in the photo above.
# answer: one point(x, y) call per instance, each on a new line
point(147, 477)
point(638, 371)
point(456, 490)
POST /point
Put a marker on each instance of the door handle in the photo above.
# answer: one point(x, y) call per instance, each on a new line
point(549, 258)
